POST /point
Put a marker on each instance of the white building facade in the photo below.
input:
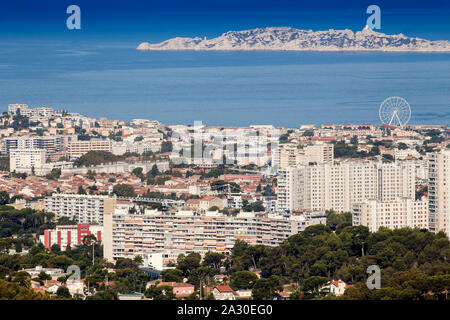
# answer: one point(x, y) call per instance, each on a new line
point(128, 235)
point(392, 214)
point(339, 185)
point(84, 208)
point(26, 160)
point(439, 191)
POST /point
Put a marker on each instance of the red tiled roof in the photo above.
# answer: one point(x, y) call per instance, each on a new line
point(224, 289)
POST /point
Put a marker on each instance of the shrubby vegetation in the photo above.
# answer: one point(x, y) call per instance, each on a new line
point(124, 190)
point(94, 158)
point(343, 150)
point(24, 222)
point(415, 264)
point(14, 291)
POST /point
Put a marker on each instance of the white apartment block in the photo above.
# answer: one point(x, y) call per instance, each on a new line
point(51, 144)
point(25, 160)
point(439, 191)
point(37, 113)
point(288, 156)
point(127, 235)
point(22, 108)
point(119, 148)
point(339, 185)
point(319, 152)
point(291, 156)
point(78, 148)
point(401, 213)
point(289, 188)
point(84, 208)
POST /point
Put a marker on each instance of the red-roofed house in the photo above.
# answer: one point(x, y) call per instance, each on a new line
point(224, 293)
point(220, 277)
point(181, 290)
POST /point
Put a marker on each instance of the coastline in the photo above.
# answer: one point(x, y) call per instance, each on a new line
point(300, 50)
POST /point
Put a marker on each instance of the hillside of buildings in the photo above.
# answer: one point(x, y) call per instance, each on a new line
point(414, 263)
point(149, 210)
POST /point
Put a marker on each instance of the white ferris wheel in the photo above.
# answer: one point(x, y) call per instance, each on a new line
point(395, 111)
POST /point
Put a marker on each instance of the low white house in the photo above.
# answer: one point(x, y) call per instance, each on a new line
point(244, 293)
point(75, 286)
point(336, 288)
point(224, 293)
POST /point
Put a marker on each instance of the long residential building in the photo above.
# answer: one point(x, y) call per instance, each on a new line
point(401, 213)
point(84, 208)
point(26, 159)
point(128, 235)
point(78, 148)
point(439, 191)
point(339, 185)
point(51, 144)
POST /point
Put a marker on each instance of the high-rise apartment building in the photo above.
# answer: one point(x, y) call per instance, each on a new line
point(400, 213)
point(439, 190)
point(16, 108)
point(25, 160)
point(51, 144)
point(339, 185)
point(291, 156)
point(84, 208)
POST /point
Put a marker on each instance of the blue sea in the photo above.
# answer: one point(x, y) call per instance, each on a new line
point(222, 88)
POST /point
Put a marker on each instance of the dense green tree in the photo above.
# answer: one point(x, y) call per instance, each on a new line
point(54, 174)
point(138, 172)
point(172, 275)
point(63, 292)
point(213, 259)
point(402, 146)
point(138, 259)
point(81, 190)
point(107, 294)
point(44, 276)
point(266, 288)
point(14, 291)
point(188, 263)
point(166, 146)
point(94, 158)
point(338, 220)
point(124, 190)
point(66, 221)
point(55, 248)
point(201, 274)
point(256, 206)
point(4, 198)
point(387, 157)
point(312, 283)
point(160, 293)
point(244, 279)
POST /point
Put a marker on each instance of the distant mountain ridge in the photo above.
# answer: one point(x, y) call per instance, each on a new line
point(291, 39)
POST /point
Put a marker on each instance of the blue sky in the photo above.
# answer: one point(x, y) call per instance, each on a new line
point(157, 20)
